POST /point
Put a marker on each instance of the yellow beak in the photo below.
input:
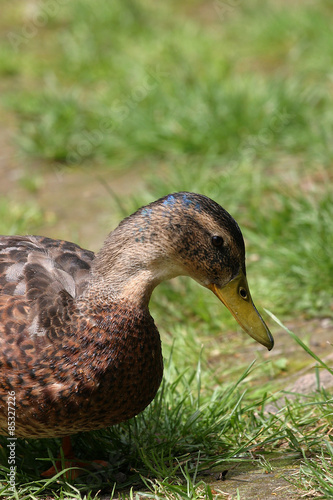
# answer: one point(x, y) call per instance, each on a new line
point(236, 297)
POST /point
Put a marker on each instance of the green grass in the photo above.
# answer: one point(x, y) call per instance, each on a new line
point(16, 217)
point(186, 435)
point(230, 100)
point(316, 473)
point(183, 87)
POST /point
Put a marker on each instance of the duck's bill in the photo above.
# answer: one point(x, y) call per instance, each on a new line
point(236, 297)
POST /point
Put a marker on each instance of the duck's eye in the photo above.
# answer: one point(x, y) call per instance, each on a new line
point(217, 241)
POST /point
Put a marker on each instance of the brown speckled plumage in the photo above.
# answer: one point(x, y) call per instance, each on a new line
point(77, 343)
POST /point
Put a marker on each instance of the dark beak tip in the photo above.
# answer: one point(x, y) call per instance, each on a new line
point(271, 343)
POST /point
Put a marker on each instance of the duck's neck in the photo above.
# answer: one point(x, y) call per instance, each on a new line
point(135, 288)
point(129, 272)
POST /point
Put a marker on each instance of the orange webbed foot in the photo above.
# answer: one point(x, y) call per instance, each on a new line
point(68, 460)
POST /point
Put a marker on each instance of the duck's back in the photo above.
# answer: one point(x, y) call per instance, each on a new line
point(38, 279)
point(30, 265)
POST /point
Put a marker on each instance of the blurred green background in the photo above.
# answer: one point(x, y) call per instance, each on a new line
point(106, 106)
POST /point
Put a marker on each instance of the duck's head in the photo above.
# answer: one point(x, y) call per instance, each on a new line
point(182, 234)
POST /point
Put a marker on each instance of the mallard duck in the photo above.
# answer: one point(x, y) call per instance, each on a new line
point(79, 348)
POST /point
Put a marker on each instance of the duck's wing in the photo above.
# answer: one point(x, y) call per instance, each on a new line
point(34, 262)
point(38, 278)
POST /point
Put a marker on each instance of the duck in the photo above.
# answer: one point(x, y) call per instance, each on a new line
point(79, 350)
